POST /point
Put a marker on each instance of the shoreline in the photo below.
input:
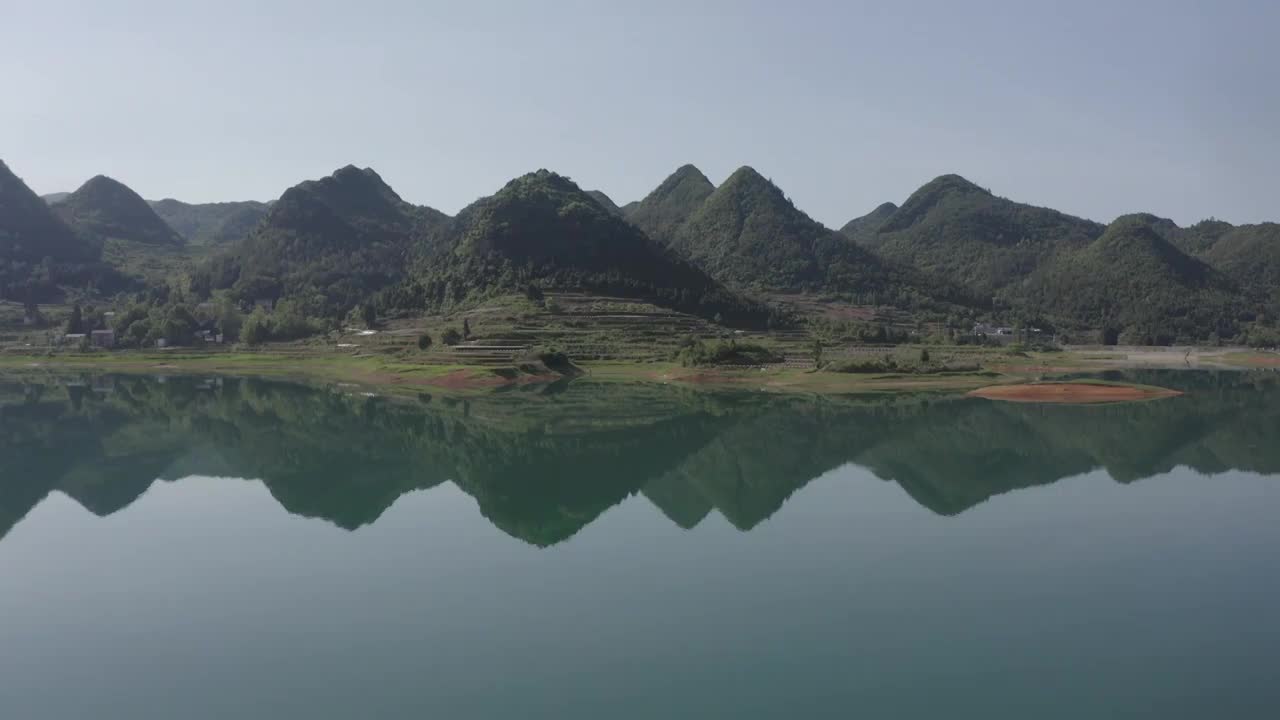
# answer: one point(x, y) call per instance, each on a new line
point(396, 375)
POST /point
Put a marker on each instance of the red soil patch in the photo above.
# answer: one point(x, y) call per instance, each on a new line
point(1071, 393)
point(1263, 361)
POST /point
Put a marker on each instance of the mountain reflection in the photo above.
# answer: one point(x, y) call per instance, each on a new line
point(541, 465)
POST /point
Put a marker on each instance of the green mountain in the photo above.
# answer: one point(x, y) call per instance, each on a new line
point(748, 234)
point(211, 224)
point(30, 231)
point(961, 231)
point(1249, 255)
point(1134, 284)
point(663, 211)
point(1192, 240)
point(543, 230)
point(863, 229)
point(327, 243)
point(105, 209)
point(41, 257)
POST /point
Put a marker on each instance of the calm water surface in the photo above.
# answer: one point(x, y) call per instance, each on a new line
point(216, 549)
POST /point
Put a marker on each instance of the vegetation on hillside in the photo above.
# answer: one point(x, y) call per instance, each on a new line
point(40, 255)
point(1136, 287)
point(661, 213)
point(747, 233)
point(541, 232)
point(104, 209)
point(326, 244)
point(863, 229)
point(961, 231)
point(211, 224)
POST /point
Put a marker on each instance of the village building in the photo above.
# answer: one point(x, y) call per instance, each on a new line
point(105, 339)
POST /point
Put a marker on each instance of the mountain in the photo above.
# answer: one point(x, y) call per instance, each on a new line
point(327, 243)
point(542, 229)
point(30, 230)
point(1192, 240)
point(1249, 255)
point(211, 224)
point(955, 228)
point(106, 209)
point(605, 201)
point(860, 229)
point(1136, 285)
point(41, 257)
point(670, 204)
point(748, 234)
point(55, 198)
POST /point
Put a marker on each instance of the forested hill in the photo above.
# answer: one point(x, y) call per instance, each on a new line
point(30, 231)
point(661, 213)
point(40, 255)
point(106, 209)
point(328, 244)
point(1250, 255)
point(748, 234)
point(1137, 286)
point(1247, 254)
point(959, 230)
point(541, 230)
point(211, 224)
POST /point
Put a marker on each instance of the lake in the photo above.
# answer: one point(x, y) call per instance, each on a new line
point(232, 548)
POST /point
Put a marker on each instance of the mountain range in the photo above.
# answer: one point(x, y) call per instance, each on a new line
point(951, 250)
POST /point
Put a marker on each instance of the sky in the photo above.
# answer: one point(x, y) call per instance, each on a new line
point(1094, 108)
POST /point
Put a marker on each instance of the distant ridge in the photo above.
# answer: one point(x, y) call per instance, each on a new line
point(211, 224)
point(863, 229)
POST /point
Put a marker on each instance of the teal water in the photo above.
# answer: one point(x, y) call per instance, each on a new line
point(202, 548)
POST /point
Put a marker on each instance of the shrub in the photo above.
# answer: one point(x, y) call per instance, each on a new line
point(451, 336)
point(424, 342)
point(725, 353)
point(257, 328)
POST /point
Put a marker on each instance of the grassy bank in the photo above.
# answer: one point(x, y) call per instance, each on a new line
point(390, 373)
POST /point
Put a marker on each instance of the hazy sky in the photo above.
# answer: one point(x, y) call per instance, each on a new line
point(1096, 108)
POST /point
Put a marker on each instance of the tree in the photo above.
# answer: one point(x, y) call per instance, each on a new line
point(230, 320)
point(451, 337)
point(257, 328)
point(75, 322)
point(924, 355)
point(179, 325)
point(369, 314)
point(424, 342)
point(466, 329)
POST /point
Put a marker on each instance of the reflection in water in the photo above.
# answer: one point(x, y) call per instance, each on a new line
point(541, 466)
